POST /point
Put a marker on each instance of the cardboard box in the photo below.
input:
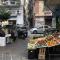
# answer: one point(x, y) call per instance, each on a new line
point(41, 55)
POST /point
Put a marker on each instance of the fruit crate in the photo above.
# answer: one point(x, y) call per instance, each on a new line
point(41, 55)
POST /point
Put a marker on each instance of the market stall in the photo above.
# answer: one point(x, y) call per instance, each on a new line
point(44, 42)
point(4, 39)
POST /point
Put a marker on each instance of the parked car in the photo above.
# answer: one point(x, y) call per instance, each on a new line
point(40, 29)
point(45, 29)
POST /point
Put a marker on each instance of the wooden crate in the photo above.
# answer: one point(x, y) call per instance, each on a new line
point(41, 55)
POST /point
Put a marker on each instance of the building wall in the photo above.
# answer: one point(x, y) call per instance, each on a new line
point(39, 21)
point(54, 22)
point(53, 2)
point(16, 11)
point(40, 11)
point(38, 8)
point(0, 2)
point(17, 15)
point(20, 17)
point(22, 2)
point(9, 2)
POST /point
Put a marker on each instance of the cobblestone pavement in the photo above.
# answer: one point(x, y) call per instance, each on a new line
point(15, 51)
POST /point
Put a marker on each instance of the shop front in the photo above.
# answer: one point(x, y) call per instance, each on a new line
point(48, 20)
point(13, 22)
point(39, 20)
point(48, 17)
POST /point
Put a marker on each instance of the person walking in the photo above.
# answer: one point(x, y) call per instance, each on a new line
point(13, 35)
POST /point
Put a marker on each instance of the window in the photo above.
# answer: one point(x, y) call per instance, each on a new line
point(45, 26)
point(12, 2)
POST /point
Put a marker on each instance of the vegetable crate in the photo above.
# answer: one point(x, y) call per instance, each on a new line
point(41, 55)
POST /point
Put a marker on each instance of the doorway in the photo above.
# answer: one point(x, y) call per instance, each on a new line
point(12, 22)
point(48, 20)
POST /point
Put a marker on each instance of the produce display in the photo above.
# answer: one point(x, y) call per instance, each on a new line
point(48, 41)
point(31, 44)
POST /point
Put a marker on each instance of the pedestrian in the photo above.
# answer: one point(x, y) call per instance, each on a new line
point(2, 33)
point(13, 35)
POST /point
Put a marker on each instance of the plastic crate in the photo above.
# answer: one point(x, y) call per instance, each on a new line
point(33, 54)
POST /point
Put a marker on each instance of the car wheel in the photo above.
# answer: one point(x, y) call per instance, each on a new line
point(35, 32)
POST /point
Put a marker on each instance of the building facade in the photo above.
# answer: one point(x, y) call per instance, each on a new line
point(26, 2)
point(16, 9)
point(43, 15)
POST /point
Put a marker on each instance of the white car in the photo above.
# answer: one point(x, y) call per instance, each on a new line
point(40, 29)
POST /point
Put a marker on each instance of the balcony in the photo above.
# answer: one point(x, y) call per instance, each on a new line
point(10, 3)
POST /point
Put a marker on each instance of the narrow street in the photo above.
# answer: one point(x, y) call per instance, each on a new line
point(15, 51)
point(18, 51)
